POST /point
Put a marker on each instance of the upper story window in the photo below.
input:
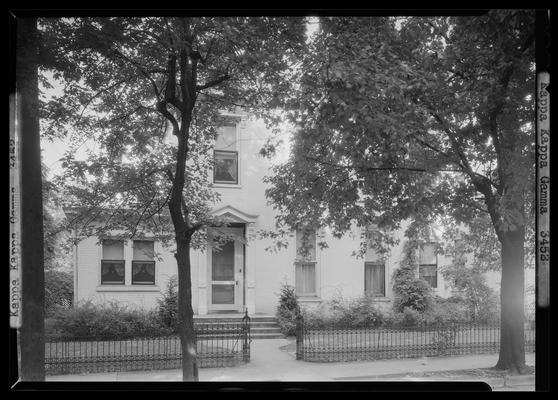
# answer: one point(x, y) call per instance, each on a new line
point(305, 263)
point(143, 264)
point(112, 262)
point(374, 270)
point(428, 264)
point(225, 170)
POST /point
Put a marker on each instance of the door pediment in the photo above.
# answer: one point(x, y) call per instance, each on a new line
point(231, 214)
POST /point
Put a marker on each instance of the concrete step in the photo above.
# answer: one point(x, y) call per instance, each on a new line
point(261, 326)
point(254, 335)
point(273, 329)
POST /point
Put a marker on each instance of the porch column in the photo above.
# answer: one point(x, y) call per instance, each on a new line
point(250, 267)
point(202, 282)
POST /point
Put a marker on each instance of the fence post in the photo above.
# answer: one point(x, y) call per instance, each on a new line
point(246, 336)
point(299, 331)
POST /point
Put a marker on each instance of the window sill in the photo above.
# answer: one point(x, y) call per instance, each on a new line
point(309, 299)
point(225, 185)
point(128, 288)
point(380, 299)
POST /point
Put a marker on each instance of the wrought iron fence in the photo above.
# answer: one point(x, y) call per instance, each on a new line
point(333, 343)
point(218, 344)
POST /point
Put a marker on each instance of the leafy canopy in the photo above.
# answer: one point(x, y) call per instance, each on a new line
point(130, 84)
point(416, 117)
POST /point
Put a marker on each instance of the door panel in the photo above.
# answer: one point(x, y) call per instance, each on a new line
point(225, 276)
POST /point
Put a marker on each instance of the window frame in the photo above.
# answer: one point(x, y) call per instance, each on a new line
point(135, 263)
point(222, 182)
point(304, 263)
point(121, 262)
point(424, 277)
point(421, 267)
point(369, 292)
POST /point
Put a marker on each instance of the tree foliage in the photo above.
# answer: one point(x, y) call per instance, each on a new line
point(151, 91)
point(410, 291)
point(419, 117)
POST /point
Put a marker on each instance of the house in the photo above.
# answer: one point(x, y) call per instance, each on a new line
point(244, 274)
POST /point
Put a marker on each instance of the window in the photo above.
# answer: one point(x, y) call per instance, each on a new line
point(374, 279)
point(305, 264)
point(143, 264)
point(112, 262)
point(374, 269)
point(225, 165)
point(305, 280)
point(428, 264)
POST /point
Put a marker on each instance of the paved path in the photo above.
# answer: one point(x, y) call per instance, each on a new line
point(271, 361)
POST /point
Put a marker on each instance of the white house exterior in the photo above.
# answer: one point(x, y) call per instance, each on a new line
point(244, 275)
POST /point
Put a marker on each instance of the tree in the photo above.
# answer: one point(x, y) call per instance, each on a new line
point(130, 84)
point(417, 118)
point(32, 343)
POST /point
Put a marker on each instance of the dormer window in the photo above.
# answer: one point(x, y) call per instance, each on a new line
point(225, 166)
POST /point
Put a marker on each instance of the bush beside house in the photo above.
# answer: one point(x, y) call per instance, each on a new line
point(59, 291)
point(288, 310)
point(108, 320)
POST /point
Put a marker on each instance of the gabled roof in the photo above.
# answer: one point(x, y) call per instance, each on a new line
point(235, 215)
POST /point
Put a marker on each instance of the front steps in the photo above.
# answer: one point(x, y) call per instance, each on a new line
point(261, 326)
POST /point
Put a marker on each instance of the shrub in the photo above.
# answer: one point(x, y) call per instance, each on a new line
point(357, 312)
point(167, 309)
point(59, 291)
point(350, 313)
point(444, 311)
point(410, 291)
point(288, 310)
point(108, 320)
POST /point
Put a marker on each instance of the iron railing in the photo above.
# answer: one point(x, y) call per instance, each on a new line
point(218, 344)
point(334, 343)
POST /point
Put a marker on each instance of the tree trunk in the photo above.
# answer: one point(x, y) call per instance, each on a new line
point(185, 312)
point(32, 342)
point(512, 340)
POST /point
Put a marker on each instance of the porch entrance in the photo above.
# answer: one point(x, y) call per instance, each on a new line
point(226, 273)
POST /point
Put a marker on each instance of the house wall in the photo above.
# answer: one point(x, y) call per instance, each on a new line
point(88, 277)
point(338, 270)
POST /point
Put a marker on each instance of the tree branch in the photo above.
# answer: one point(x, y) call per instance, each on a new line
point(212, 83)
point(141, 216)
point(104, 90)
point(142, 70)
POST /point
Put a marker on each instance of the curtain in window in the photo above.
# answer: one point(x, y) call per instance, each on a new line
point(374, 279)
point(428, 273)
point(305, 280)
point(226, 138)
point(113, 249)
point(427, 254)
point(143, 250)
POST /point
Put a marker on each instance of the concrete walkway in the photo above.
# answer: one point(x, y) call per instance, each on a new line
point(274, 360)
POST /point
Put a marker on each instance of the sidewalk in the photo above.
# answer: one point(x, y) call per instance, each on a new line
point(271, 360)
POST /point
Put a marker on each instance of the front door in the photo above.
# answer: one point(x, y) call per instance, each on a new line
point(226, 276)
